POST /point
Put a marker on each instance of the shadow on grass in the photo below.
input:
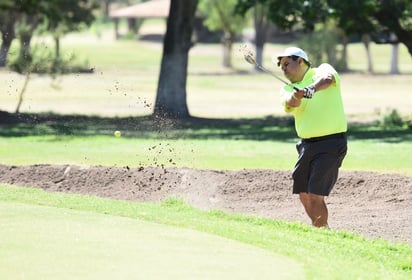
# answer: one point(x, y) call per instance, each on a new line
point(268, 128)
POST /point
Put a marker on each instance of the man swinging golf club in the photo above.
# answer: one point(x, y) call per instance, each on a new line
point(316, 104)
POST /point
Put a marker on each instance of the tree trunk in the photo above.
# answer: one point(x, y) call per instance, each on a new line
point(25, 38)
point(22, 91)
point(7, 35)
point(57, 48)
point(344, 62)
point(4, 49)
point(366, 41)
point(24, 53)
point(106, 8)
point(259, 58)
point(227, 49)
point(116, 28)
point(261, 30)
point(394, 59)
point(171, 92)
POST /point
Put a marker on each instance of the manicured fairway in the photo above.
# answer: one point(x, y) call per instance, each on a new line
point(39, 242)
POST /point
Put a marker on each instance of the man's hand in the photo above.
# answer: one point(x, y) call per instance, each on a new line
point(309, 91)
point(294, 99)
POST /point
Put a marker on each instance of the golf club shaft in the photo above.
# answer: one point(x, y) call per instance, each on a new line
point(273, 74)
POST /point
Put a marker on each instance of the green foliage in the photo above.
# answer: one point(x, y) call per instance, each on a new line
point(392, 119)
point(56, 16)
point(322, 45)
point(350, 14)
point(42, 61)
point(220, 15)
point(353, 17)
point(287, 14)
point(395, 14)
point(69, 13)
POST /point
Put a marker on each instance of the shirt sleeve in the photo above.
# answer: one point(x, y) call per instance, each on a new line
point(324, 69)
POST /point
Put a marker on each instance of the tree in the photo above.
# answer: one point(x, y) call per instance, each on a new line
point(63, 16)
point(171, 92)
point(394, 69)
point(373, 16)
point(353, 17)
point(24, 29)
point(284, 14)
point(220, 15)
point(396, 16)
point(7, 21)
point(9, 15)
point(360, 23)
point(261, 24)
point(24, 16)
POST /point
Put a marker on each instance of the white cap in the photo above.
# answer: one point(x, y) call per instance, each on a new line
point(292, 51)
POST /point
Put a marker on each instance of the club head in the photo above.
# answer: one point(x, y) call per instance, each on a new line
point(248, 54)
point(249, 58)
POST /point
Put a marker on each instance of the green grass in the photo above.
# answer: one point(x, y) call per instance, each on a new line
point(218, 154)
point(354, 257)
point(108, 151)
point(197, 143)
point(121, 248)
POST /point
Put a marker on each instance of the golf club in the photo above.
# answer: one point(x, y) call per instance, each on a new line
point(249, 57)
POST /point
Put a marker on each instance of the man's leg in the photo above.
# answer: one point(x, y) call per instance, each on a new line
point(318, 210)
point(315, 208)
point(304, 198)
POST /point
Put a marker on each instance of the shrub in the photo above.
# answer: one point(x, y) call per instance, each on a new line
point(392, 119)
point(42, 61)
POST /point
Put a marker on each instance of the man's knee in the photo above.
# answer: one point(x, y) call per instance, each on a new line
point(316, 198)
point(304, 197)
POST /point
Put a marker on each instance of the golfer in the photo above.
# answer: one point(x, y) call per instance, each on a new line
point(320, 122)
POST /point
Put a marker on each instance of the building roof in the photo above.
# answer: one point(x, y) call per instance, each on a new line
point(149, 9)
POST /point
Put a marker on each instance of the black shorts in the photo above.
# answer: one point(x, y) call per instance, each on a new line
point(316, 170)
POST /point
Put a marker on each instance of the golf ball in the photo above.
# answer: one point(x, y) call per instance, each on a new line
point(117, 133)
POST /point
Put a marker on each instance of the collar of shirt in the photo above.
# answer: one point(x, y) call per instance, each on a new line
point(307, 78)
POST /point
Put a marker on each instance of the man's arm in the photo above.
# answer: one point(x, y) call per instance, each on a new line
point(323, 82)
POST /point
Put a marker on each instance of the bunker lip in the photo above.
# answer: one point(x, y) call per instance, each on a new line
point(373, 204)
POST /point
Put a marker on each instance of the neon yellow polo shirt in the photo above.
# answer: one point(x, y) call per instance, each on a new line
point(323, 114)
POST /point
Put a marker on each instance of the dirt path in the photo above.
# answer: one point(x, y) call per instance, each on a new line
point(375, 205)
